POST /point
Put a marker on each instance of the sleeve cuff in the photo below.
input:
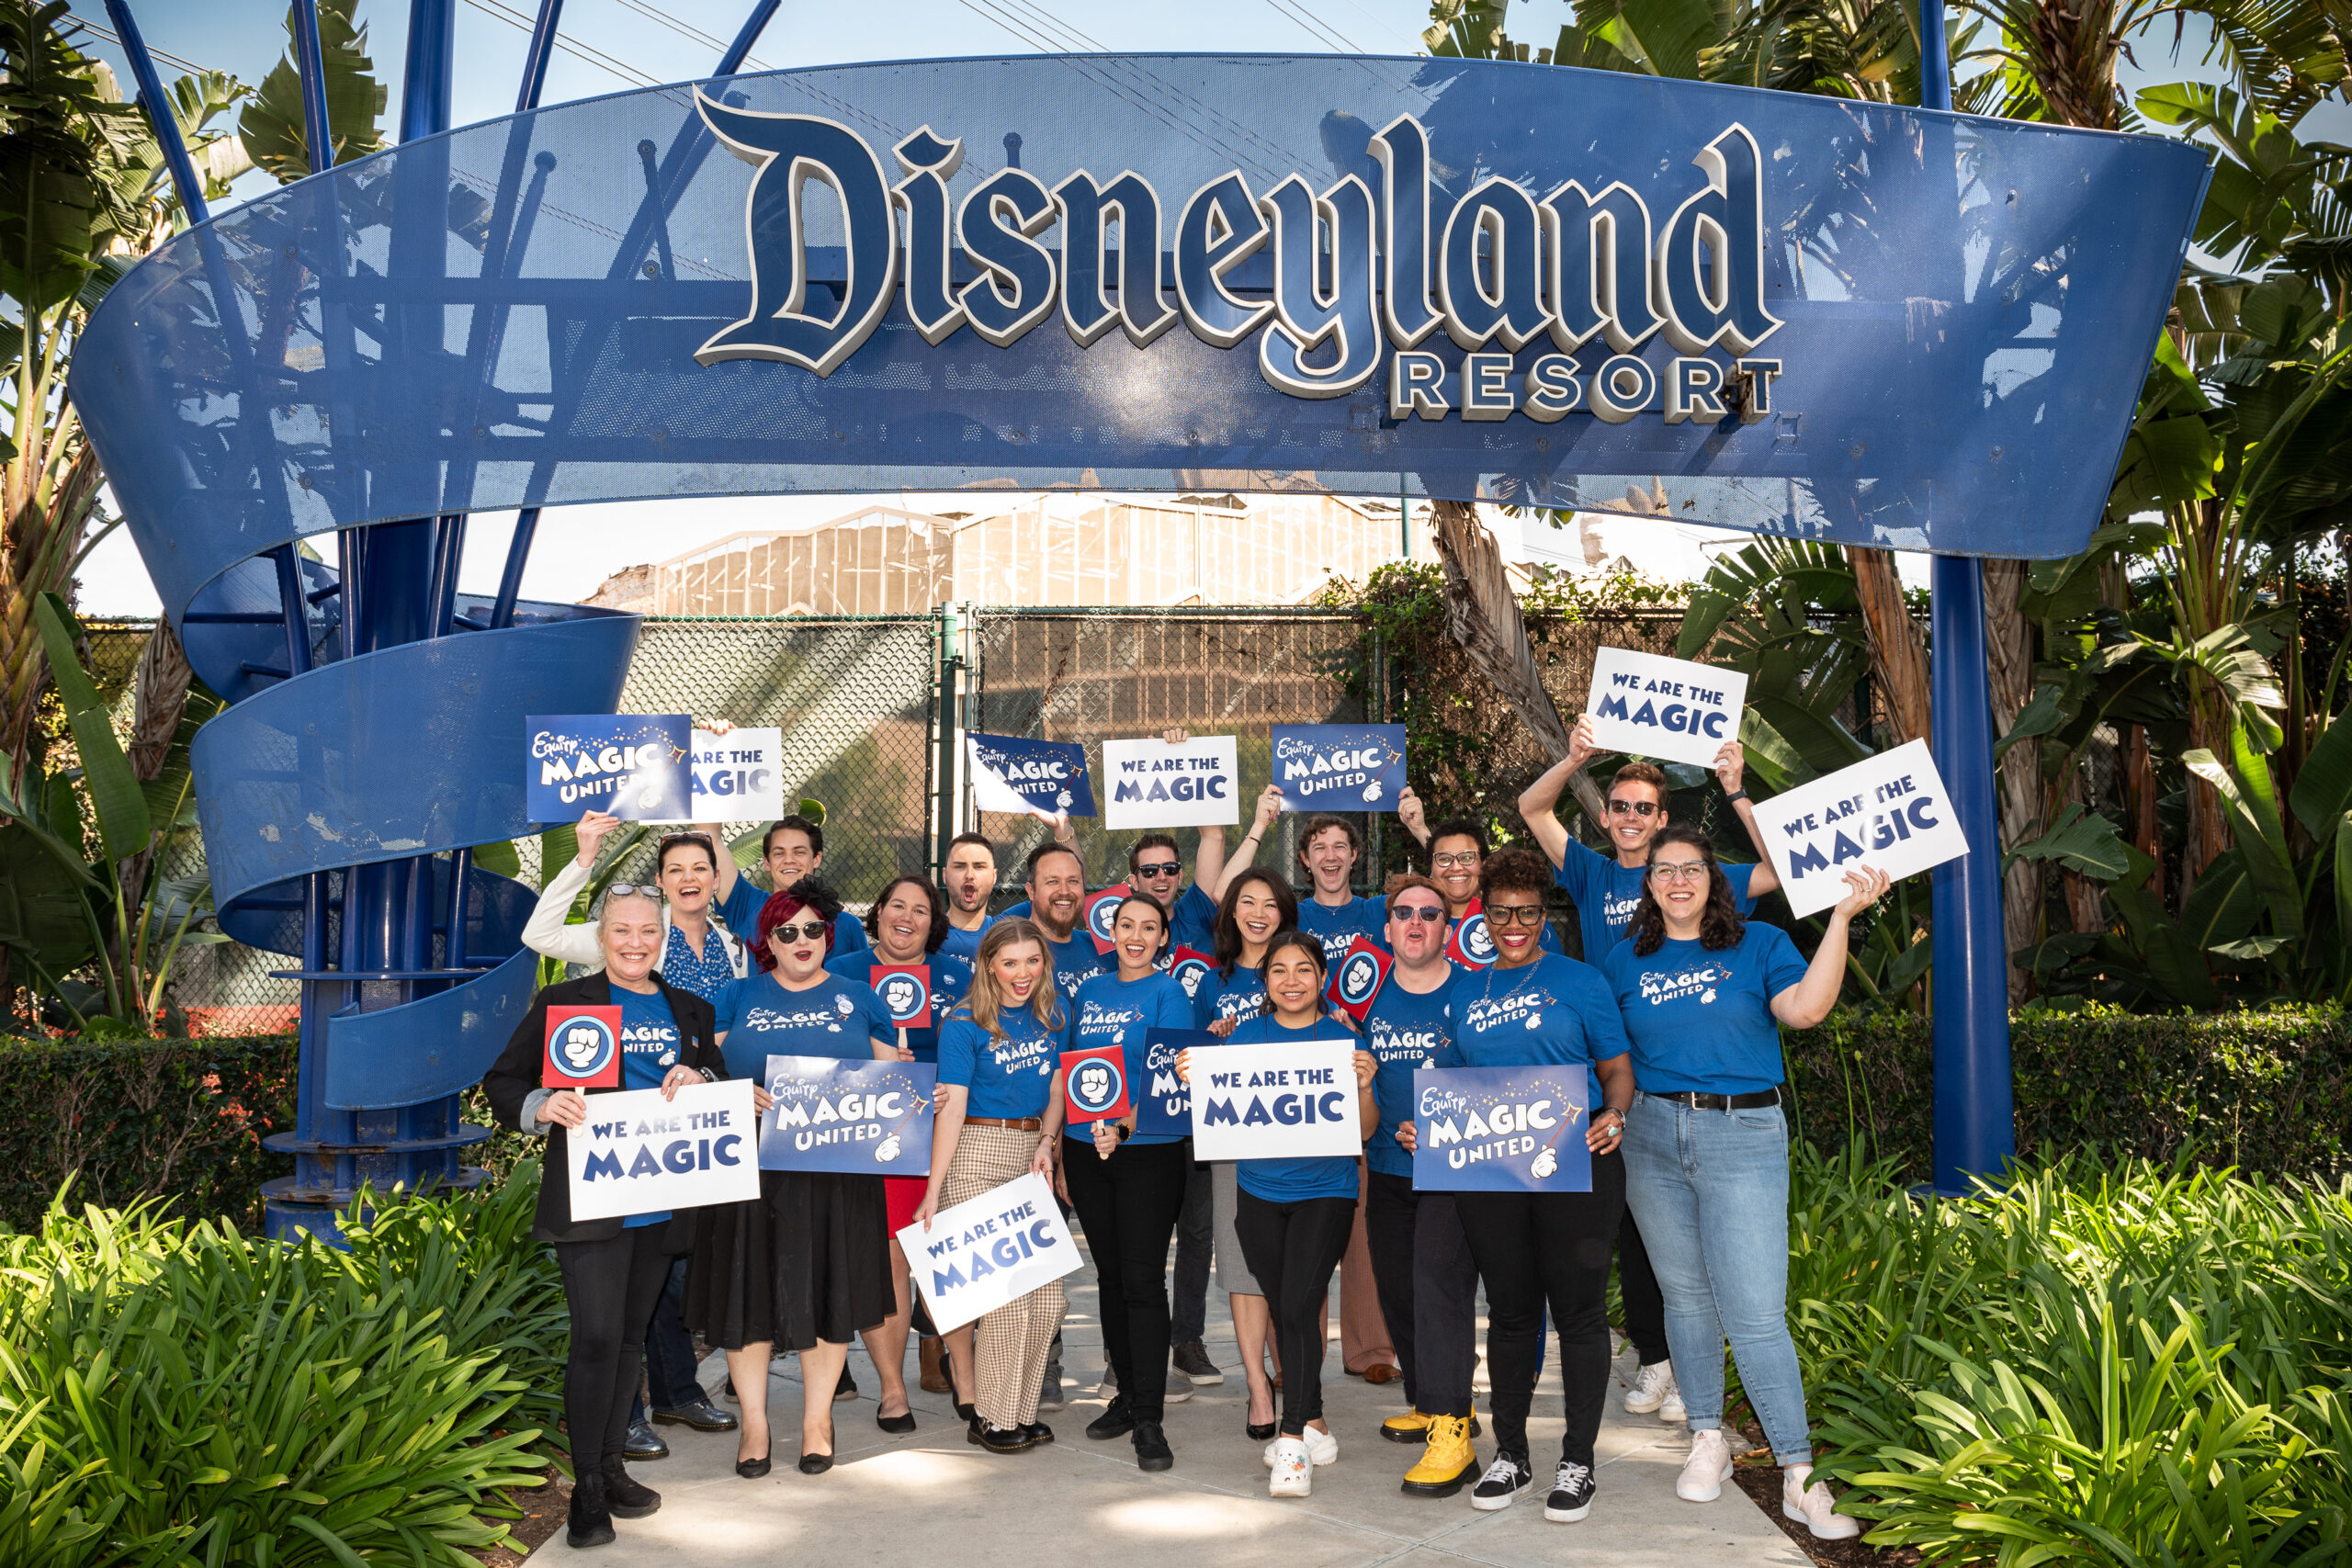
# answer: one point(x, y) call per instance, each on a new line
point(527, 1122)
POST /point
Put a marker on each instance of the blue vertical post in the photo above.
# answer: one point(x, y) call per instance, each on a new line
point(741, 50)
point(535, 58)
point(310, 63)
point(1975, 1123)
point(158, 105)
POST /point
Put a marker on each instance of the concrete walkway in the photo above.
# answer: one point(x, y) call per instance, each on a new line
point(931, 1497)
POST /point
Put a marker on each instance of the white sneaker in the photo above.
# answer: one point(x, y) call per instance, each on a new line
point(1178, 1391)
point(1672, 1408)
point(1322, 1448)
point(1293, 1474)
point(1704, 1473)
point(1815, 1509)
point(1651, 1389)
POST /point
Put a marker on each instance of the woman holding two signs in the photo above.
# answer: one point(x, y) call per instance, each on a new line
point(1295, 1216)
point(1129, 1187)
point(807, 1266)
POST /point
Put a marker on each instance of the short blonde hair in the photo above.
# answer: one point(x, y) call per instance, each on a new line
point(604, 910)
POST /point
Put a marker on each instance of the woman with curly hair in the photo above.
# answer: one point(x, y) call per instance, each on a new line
point(1704, 993)
point(807, 1264)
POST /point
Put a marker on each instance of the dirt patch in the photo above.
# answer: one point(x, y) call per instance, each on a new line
point(542, 1511)
point(1762, 1479)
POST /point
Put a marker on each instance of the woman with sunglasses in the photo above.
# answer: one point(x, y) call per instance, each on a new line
point(998, 1118)
point(612, 1269)
point(1295, 1215)
point(1541, 1249)
point(807, 1265)
point(1129, 1186)
point(1705, 993)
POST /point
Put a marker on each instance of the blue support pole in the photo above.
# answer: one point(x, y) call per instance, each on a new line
point(158, 105)
point(310, 62)
point(1975, 1123)
point(432, 69)
point(535, 58)
point(741, 50)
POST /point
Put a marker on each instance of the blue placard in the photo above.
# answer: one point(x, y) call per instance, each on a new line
point(1500, 1129)
point(1339, 767)
point(1164, 1102)
point(1011, 773)
point(861, 1118)
point(634, 765)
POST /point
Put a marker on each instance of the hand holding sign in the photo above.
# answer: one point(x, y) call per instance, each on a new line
point(1886, 814)
point(631, 765)
point(1655, 707)
point(1011, 772)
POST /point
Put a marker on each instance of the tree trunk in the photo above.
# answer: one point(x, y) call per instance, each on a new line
point(1482, 615)
point(1898, 655)
point(2139, 776)
point(2008, 640)
point(43, 536)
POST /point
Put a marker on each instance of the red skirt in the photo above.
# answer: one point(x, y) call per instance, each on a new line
point(902, 1195)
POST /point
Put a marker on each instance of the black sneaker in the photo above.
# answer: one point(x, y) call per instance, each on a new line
point(1152, 1451)
point(1192, 1359)
point(626, 1498)
point(1038, 1433)
point(1505, 1479)
point(999, 1440)
point(589, 1522)
point(1571, 1498)
point(1116, 1421)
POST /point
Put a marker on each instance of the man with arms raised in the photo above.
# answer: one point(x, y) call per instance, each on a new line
point(791, 849)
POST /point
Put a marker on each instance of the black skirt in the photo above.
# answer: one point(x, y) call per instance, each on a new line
point(810, 1260)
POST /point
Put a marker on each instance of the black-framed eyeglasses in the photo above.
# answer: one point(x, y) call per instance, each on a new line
point(813, 931)
point(1409, 913)
point(1632, 808)
point(1466, 861)
point(1515, 915)
point(1161, 868)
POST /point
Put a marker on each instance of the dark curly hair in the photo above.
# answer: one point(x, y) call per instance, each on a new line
point(938, 931)
point(1720, 925)
point(809, 894)
point(1516, 869)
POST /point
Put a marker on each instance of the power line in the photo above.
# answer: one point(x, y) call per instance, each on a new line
point(174, 61)
point(571, 46)
point(688, 30)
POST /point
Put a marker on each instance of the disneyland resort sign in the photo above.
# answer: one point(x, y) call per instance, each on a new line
point(1359, 282)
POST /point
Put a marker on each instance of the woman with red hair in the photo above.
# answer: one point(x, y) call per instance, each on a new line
point(808, 1265)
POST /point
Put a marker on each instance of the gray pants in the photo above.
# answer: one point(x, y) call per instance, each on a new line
point(1233, 1275)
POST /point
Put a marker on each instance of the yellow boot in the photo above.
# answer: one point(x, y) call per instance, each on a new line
point(1411, 1427)
point(1448, 1461)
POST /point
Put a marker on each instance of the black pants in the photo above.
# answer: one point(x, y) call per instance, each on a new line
point(1292, 1248)
point(1128, 1205)
point(611, 1287)
point(1638, 1285)
point(1188, 1310)
point(1442, 1281)
point(1539, 1247)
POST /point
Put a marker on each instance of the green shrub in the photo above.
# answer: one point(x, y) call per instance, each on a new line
point(175, 1391)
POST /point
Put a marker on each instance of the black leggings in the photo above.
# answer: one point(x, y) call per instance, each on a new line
point(1535, 1247)
point(1128, 1205)
point(611, 1287)
point(1644, 1301)
point(1292, 1248)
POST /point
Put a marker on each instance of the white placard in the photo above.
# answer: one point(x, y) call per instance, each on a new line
point(1275, 1102)
point(993, 1250)
point(640, 1154)
point(1889, 813)
point(1650, 706)
point(1154, 785)
point(739, 776)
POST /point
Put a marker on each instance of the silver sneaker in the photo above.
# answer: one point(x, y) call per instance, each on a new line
point(1050, 1392)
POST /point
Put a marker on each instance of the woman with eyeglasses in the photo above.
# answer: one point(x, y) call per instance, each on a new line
point(1704, 994)
point(1295, 1215)
point(612, 1269)
point(1129, 1186)
point(998, 1118)
point(1543, 1249)
point(807, 1264)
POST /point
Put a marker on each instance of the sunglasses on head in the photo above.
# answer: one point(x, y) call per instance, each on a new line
point(1409, 913)
point(635, 890)
point(1161, 868)
point(1632, 808)
point(663, 845)
point(812, 931)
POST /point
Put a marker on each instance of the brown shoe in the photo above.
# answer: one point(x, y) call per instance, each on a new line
point(934, 1366)
point(1381, 1372)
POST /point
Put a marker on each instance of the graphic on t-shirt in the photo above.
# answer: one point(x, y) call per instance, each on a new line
point(659, 1040)
point(828, 1019)
point(1096, 1018)
point(1523, 1008)
point(1704, 981)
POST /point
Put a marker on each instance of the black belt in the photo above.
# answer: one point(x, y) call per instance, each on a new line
point(1720, 1102)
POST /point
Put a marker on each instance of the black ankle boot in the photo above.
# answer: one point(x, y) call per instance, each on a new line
point(626, 1499)
point(591, 1523)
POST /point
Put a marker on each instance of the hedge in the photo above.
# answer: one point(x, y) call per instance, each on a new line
point(2269, 1092)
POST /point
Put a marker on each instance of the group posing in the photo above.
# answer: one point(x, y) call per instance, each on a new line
point(1673, 1013)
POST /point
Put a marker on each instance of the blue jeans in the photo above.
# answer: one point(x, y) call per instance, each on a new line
point(1711, 1192)
point(670, 1366)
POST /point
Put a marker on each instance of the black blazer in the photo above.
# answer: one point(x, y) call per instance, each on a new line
point(516, 1074)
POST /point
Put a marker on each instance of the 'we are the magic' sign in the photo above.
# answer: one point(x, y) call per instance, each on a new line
point(1674, 709)
point(1888, 812)
point(989, 1250)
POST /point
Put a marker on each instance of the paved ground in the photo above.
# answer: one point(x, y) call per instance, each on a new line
point(932, 1497)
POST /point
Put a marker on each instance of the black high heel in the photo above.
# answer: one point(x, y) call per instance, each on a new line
point(897, 1426)
point(966, 1411)
point(753, 1469)
point(1260, 1434)
point(815, 1464)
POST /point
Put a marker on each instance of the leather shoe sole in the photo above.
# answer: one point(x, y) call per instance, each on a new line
point(1384, 1372)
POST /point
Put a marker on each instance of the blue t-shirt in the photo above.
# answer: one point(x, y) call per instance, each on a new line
point(741, 913)
point(1293, 1180)
point(963, 946)
point(858, 969)
point(1607, 894)
point(836, 1017)
point(1338, 927)
point(1553, 1012)
point(1112, 1011)
point(1703, 1022)
point(1404, 1033)
point(1241, 994)
point(706, 972)
point(649, 1041)
point(1011, 1076)
point(1192, 923)
point(1075, 962)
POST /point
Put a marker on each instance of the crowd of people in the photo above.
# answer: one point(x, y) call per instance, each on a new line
point(1673, 1012)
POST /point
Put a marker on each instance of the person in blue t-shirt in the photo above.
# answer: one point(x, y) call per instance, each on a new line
point(997, 1119)
point(792, 847)
point(1295, 1215)
point(1539, 1250)
point(1420, 1261)
point(1257, 906)
point(969, 877)
point(772, 1271)
point(1704, 993)
point(1457, 847)
point(1056, 884)
point(1129, 1187)
point(1329, 849)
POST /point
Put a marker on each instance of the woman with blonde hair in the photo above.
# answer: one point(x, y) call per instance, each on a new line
point(996, 1119)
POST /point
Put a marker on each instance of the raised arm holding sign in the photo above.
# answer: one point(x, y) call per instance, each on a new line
point(1654, 706)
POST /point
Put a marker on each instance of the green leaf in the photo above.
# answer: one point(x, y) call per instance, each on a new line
point(2081, 841)
point(276, 134)
point(502, 859)
point(123, 823)
point(2324, 787)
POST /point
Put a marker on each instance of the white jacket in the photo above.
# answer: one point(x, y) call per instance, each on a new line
point(546, 934)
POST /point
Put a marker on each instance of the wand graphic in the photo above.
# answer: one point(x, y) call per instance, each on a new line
point(1546, 1161)
point(889, 1148)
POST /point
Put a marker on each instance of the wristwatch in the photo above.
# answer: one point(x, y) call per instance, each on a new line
point(1740, 793)
point(1123, 1131)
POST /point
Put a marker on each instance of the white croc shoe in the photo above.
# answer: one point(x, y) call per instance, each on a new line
point(1322, 1448)
point(1704, 1473)
point(1292, 1475)
point(1815, 1509)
